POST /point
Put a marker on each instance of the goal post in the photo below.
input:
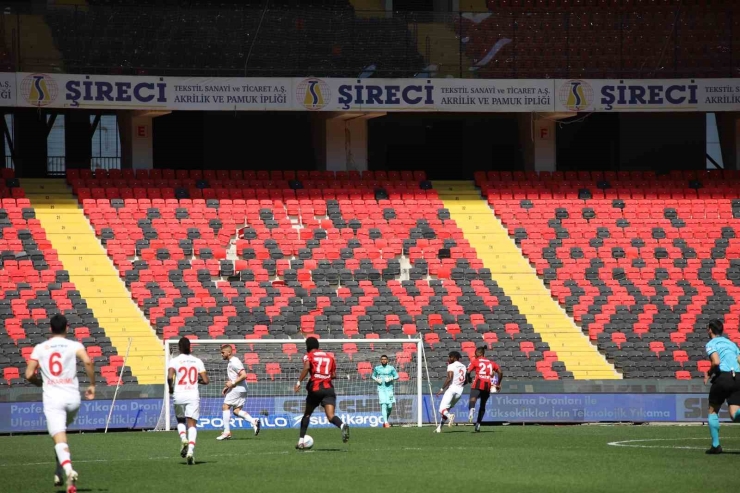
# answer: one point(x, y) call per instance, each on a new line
point(273, 367)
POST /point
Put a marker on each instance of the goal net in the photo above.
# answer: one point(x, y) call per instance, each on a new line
point(273, 367)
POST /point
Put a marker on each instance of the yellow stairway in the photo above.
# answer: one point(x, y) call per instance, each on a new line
point(519, 281)
point(96, 277)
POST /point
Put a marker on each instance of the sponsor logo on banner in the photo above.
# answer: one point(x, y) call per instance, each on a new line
point(576, 95)
point(313, 94)
point(649, 95)
point(131, 91)
point(39, 89)
point(401, 94)
point(697, 408)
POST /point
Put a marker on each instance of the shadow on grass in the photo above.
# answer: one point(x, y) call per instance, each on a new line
point(323, 450)
point(85, 490)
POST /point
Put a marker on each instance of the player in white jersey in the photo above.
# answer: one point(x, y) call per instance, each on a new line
point(184, 373)
point(452, 388)
point(56, 360)
point(235, 393)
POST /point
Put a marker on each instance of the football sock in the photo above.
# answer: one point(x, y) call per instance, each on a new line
point(227, 421)
point(181, 430)
point(192, 434)
point(481, 413)
point(471, 404)
point(482, 409)
point(336, 421)
point(736, 417)
point(445, 414)
point(714, 428)
point(384, 409)
point(304, 425)
point(390, 410)
point(246, 416)
point(63, 456)
point(59, 471)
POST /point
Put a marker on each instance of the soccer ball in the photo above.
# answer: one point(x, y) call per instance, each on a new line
point(307, 442)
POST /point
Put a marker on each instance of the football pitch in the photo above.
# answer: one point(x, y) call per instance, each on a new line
point(509, 458)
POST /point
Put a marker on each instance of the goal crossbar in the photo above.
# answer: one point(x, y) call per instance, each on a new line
point(419, 360)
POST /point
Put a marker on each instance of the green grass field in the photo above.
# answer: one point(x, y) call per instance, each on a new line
point(509, 458)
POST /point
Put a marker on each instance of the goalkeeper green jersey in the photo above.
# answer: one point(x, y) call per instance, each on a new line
point(384, 373)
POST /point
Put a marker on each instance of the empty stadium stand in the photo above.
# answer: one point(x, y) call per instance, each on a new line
point(516, 277)
point(512, 39)
point(292, 41)
point(34, 285)
point(222, 254)
point(96, 278)
point(602, 39)
point(642, 262)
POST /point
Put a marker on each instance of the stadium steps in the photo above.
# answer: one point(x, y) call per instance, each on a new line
point(95, 277)
point(440, 46)
point(37, 48)
point(519, 281)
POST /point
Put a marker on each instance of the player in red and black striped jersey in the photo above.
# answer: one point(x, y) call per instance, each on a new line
point(322, 369)
point(487, 379)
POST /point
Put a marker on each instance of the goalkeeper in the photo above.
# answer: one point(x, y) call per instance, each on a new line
point(384, 375)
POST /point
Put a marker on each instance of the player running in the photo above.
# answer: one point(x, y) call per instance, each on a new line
point(56, 361)
point(487, 379)
point(235, 393)
point(322, 369)
point(452, 388)
point(384, 375)
point(725, 375)
point(184, 373)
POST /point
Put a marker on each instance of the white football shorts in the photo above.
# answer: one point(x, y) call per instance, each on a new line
point(236, 397)
point(188, 409)
point(60, 413)
point(450, 398)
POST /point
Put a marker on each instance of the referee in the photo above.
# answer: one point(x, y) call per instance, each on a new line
point(725, 375)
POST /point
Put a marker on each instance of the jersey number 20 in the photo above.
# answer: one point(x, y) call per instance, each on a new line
point(189, 375)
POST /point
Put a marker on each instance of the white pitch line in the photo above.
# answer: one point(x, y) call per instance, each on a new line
point(225, 455)
point(629, 443)
point(140, 459)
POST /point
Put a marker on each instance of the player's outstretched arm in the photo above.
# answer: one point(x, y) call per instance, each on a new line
point(304, 372)
point(31, 375)
point(714, 358)
point(239, 379)
point(171, 379)
point(202, 373)
point(90, 370)
point(376, 377)
point(203, 378)
point(447, 383)
point(500, 377)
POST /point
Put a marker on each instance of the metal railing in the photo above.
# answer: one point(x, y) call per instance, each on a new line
point(686, 41)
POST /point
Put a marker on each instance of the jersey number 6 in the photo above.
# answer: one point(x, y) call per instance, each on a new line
point(55, 366)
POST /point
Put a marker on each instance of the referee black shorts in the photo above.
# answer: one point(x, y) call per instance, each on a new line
point(321, 397)
point(725, 387)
